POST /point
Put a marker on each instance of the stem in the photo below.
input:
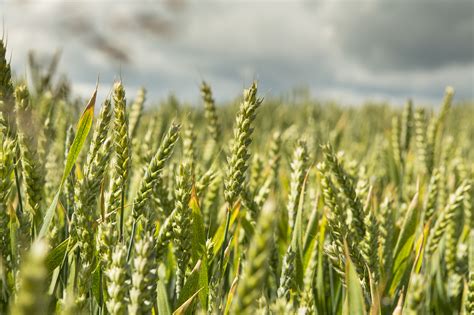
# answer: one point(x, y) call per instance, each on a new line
point(132, 238)
point(121, 214)
point(17, 183)
point(101, 296)
point(224, 244)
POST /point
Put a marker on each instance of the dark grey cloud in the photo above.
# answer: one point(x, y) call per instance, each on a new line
point(399, 35)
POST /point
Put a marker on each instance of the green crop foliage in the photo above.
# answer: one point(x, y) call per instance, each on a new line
point(253, 206)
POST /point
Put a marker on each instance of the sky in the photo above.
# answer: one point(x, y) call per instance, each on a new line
point(349, 51)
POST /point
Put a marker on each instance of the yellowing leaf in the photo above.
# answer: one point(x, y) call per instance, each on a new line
point(83, 128)
point(182, 309)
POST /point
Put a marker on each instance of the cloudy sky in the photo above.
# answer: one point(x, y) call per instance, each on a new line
point(343, 50)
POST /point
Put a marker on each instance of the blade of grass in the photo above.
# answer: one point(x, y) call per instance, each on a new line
point(354, 303)
point(404, 246)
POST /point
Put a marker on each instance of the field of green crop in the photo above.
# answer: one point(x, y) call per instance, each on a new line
point(259, 206)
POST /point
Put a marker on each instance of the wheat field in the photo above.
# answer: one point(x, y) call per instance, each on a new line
point(258, 206)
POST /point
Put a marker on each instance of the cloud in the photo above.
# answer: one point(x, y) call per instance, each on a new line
point(342, 50)
point(406, 36)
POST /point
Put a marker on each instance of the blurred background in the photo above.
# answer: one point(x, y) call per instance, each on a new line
point(349, 51)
